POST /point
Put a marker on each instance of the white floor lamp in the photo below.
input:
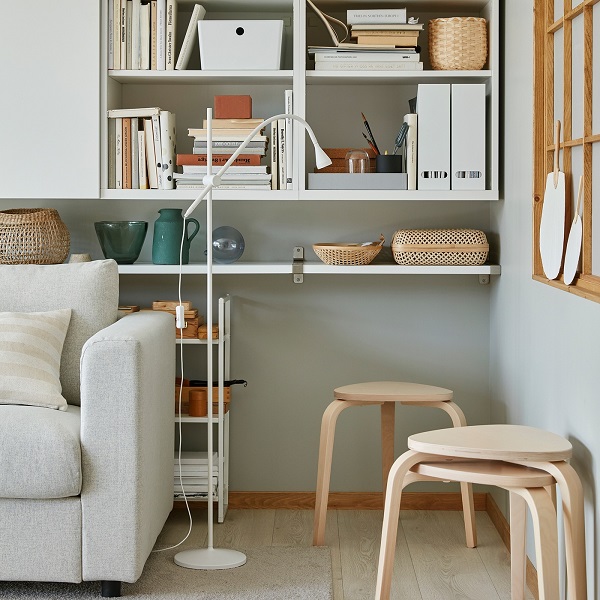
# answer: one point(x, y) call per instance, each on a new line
point(211, 558)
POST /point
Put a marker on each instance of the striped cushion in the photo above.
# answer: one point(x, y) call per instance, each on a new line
point(30, 349)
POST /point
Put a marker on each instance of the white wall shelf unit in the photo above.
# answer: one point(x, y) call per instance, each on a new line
point(198, 77)
point(309, 268)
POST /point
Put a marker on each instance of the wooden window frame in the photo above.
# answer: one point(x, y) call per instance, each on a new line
point(545, 26)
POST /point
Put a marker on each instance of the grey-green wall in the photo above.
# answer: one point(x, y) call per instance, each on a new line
point(544, 359)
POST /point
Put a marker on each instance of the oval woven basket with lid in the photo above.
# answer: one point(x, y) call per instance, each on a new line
point(348, 253)
point(35, 236)
point(440, 247)
point(458, 43)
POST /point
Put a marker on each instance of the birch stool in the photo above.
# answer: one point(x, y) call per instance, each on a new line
point(386, 394)
point(517, 458)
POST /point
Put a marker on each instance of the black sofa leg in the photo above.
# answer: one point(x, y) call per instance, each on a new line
point(111, 589)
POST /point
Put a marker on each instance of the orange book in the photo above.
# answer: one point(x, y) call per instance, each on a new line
point(126, 154)
point(218, 159)
point(384, 40)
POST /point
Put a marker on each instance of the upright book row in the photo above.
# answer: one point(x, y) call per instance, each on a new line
point(141, 149)
point(142, 35)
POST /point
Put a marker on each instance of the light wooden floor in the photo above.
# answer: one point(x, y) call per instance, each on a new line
point(432, 561)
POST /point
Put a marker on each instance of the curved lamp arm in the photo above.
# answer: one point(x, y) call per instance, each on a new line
point(212, 181)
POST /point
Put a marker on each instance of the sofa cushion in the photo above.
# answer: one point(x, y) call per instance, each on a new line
point(90, 289)
point(40, 452)
point(31, 345)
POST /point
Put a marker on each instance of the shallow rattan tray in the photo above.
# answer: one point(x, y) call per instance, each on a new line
point(440, 247)
point(347, 253)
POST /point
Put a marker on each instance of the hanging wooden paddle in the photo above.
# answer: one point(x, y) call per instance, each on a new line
point(574, 242)
point(552, 224)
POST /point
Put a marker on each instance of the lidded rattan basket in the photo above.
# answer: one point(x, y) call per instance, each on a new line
point(458, 43)
point(348, 253)
point(33, 236)
point(440, 247)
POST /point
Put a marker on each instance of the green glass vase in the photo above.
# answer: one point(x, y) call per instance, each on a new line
point(168, 230)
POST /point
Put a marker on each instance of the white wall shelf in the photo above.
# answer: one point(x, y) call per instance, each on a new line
point(402, 77)
point(309, 268)
point(202, 77)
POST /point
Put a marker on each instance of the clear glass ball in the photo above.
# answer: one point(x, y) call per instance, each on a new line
point(228, 244)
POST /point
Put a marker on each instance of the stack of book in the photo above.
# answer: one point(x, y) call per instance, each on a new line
point(194, 475)
point(141, 35)
point(141, 148)
point(382, 40)
point(227, 136)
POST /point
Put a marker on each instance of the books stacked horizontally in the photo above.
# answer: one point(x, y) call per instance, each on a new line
point(382, 41)
point(194, 475)
point(227, 136)
point(141, 35)
point(141, 148)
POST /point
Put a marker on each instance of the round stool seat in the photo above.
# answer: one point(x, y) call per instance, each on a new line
point(392, 391)
point(494, 442)
point(488, 472)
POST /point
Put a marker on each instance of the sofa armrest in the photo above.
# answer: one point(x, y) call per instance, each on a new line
point(127, 379)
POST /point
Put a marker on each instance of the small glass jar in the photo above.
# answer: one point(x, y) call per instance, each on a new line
point(357, 161)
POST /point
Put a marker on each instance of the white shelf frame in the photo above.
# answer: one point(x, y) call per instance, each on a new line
point(221, 420)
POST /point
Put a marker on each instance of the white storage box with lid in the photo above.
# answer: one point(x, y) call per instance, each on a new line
point(240, 44)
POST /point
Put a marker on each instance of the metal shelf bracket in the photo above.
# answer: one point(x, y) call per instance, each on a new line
point(484, 279)
point(298, 264)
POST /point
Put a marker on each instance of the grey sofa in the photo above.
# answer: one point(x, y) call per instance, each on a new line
point(85, 492)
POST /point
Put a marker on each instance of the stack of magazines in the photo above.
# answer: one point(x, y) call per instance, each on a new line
point(194, 475)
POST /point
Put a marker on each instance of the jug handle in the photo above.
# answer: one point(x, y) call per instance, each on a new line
point(196, 230)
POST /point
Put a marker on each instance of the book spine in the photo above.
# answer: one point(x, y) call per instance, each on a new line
point(385, 40)
point(376, 16)
point(119, 153)
point(289, 134)
point(126, 153)
point(116, 33)
point(218, 160)
point(142, 170)
point(135, 34)
point(367, 57)
point(411, 150)
point(145, 36)
point(111, 36)
point(150, 155)
point(123, 34)
point(135, 170)
point(167, 140)
point(369, 66)
point(190, 37)
point(129, 33)
point(171, 31)
point(112, 123)
point(157, 150)
point(199, 143)
point(161, 30)
point(281, 158)
point(153, 40)
point(274, 150)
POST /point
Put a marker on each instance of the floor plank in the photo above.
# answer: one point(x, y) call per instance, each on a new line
point(444, 566)
point(245, 528)
point(360, 537)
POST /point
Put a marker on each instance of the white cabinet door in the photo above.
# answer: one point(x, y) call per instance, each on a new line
point(50, 99)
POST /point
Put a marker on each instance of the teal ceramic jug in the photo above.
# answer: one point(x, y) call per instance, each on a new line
point(168, 229)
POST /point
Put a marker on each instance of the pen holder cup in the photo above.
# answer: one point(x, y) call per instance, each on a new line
point(389, 163)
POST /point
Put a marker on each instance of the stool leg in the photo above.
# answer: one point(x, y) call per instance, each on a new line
point(466, 489)
point(324, 469)
point(543, 516)
point(391, 514)
point(388, 421)
point(518, 555)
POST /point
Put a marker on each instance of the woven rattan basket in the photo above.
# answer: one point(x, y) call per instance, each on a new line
point(348, 253)
point(440, 247)
point(33, 236)
point(458, 43)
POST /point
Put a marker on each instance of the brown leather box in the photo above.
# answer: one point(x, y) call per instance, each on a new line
point(233, 107)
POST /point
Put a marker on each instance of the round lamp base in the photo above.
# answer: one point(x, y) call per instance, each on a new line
point(210, 558)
